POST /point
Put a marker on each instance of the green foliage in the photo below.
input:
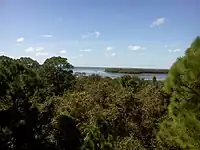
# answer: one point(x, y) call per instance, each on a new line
point(47, 107)
point(57, 110)
point(95, 140)
point(23, 125)
point(17, 115)
point(132, 82)
point(17, 82)
point(123, 113)
point(56, 73)
point(28, 62)
point(5, 58)
point(59, 63)
point(129, 143)
point(182, 127)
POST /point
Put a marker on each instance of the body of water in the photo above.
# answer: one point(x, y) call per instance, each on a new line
point(100, 71)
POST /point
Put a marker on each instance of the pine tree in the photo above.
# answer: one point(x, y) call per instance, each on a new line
point(182, 126)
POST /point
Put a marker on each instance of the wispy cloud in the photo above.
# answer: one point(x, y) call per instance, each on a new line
point(172, 45)
point(47, 36)
point(30, 49)
point(174, 50)
point(95, 34)
point(63, 51)
point(19, 40)
point(42, 54)
point(85, 50)
point(110, 54)
point(113, 54)
point(38, 49)
point(80, 55)
point(158, 22)
point(170, 50)
point(136, 47)
point(84, 36)
point(109, 48)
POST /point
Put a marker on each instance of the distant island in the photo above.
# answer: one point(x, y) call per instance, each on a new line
point(136, 70)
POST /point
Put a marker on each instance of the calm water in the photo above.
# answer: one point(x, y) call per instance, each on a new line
point(100, 71)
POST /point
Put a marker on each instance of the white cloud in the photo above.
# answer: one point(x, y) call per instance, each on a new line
point(109, 48)
point(19, 40)
point(136, 47)
point(172, 45)
point(110, 54)
point(38, 49)
point(177, 50)
point(170, 50)
point(174, 50)
point(80, 55)
point(30, 49)
point(85, 50)
point(47, 35)
point(113, 54)
point(63, 51)
point(158, 22)
point(86, 35)
point(95, 34)
point(42, 54)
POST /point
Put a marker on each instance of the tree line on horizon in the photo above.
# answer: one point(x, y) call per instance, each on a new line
point(45, 106)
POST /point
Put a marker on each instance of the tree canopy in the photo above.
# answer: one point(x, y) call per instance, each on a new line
point(182, 127)
point(45, 106)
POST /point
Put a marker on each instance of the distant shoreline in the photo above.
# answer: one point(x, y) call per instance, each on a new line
point(136, 70)
point(128, 70)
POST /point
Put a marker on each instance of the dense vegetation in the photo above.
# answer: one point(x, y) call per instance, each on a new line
point(47, 107)
point(136, 70)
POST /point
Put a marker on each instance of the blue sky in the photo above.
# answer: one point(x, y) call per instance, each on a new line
point(125, 33)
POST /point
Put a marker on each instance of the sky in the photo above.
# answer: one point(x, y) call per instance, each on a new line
point(103, 33)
